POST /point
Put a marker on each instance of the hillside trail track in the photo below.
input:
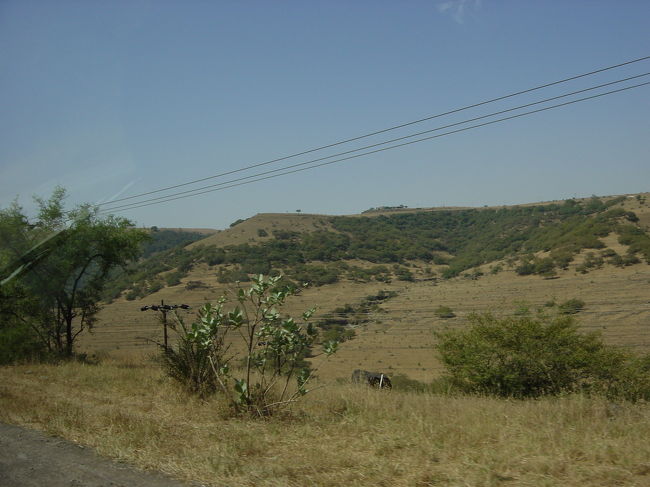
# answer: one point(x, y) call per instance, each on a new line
point(31, 459)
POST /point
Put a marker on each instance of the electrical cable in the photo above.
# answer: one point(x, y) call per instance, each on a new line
point(382, 143)
point(395, 127)
point(227, 184)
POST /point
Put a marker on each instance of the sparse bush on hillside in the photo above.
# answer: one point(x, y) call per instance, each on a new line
point(382, 295)
point(562, 257)
point(155, 286)
point(530, 357)
point(544, 266)
point(591, 261)
point(316, 275)
point(404, 274)
point(444, 312)
point(608, 253)
point(637, 240)
point(173, 278)
point(338, 334)
point(191, 285)
point(336, 325)
point(572, 306)
point(379, 273)
point(228, 276)
point(495, 269)
point(630, 259)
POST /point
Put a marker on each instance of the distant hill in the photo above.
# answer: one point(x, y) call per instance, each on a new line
point(404, 245)
point(166, 238)
point(261, 227)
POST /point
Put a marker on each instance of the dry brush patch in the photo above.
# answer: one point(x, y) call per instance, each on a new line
point(340, 435)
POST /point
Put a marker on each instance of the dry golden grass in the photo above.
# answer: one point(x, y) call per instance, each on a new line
point(401, 340)
point(339, 435)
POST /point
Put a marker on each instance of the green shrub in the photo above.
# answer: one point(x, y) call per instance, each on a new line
point(572, 306)
point(19, 343)
point(232, 275)
point(525, 269)
point(173, 278)
point(630, 382)
point(592, 261)
point(495, 269)
point(616, 260)
point(274, 351)
point(315, 275)
point(562, 257)
point(525, 356)
point(338, 334)
point(190, 361)
point(444, 312)
point(155, 286)
point(404, 274)
point(191, 285)
point(630, 259)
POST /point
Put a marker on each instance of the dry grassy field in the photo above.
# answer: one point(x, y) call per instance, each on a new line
point(399, 339)
point(339, 435)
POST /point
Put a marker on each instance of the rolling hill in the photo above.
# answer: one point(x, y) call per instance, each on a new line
point(377, 278)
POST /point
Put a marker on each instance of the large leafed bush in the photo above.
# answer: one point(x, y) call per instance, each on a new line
point(531, 356)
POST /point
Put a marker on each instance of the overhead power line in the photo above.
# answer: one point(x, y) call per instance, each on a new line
point(395, 127)
point(386, 142)
point(300, 166)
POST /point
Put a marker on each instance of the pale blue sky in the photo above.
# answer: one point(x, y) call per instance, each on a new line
point(121, 97)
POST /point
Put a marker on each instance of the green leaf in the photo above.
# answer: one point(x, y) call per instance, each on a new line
point(330, 347)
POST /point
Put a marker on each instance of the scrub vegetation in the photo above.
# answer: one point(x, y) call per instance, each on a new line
point(458, 240)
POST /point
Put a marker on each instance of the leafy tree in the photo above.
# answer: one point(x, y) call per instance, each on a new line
point(59, 297)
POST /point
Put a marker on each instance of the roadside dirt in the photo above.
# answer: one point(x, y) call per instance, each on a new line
point(31, 459)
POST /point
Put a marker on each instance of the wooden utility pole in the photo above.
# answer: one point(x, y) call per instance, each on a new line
point(164, 320)
point(164, 308)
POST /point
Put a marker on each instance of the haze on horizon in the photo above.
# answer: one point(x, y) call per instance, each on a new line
point(114, 99)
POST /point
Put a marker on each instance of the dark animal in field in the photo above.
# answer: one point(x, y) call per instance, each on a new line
point(374, 379)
